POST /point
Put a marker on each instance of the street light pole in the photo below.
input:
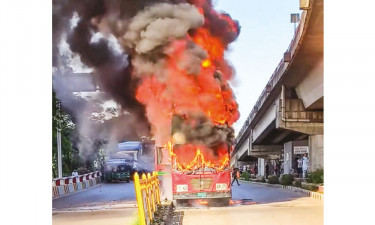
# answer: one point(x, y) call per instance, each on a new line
point(59, 158)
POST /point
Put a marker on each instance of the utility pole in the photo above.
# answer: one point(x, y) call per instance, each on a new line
point(59, 158)
point(59, 166)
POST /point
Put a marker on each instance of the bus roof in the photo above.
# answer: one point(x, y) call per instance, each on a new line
point(129, 146)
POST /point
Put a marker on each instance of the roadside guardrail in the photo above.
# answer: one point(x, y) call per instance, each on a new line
point(67, 185)
point(147, 192)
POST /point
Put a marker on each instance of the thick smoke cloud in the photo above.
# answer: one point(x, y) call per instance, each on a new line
point(148, 34)
point(111, 71)
point(198, 129)
point(156, 25)
point(220, 25)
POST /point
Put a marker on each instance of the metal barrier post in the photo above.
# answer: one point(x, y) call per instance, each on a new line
point(158, 188)
point(152, 191)
point(139, 198)
point(157, 191)
point(147, 192)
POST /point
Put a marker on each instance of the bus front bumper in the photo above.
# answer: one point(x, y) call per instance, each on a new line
point(200, 195)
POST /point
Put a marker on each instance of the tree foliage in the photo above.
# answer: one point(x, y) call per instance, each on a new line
point(62, 121)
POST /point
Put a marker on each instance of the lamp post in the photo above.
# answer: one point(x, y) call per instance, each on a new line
point(59, 158)
point(59, 166)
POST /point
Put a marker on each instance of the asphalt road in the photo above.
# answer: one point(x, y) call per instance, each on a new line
point(116, 193)
point(261, 193)
point(268, 206)
point(102, 194)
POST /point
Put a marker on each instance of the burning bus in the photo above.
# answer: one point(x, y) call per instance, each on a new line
point(201, 177)
point(177, 60)
point(197, 168)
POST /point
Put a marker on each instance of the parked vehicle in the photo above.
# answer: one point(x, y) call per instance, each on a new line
point(117, 170)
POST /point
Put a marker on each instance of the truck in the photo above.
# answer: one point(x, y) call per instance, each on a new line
point(130, 156)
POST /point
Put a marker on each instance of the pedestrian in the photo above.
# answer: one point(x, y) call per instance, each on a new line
point(267, 169)
point(277, 167)
point(295, 165)
point(305, 165)
point(236, 174)
point(256, 169)
point(102, 169)
point(75, 173)
point(299, 166)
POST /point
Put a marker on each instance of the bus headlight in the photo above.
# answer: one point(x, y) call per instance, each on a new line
point(182, 187)
point(221, 186)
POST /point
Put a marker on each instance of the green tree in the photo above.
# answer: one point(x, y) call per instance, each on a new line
point(62, 121)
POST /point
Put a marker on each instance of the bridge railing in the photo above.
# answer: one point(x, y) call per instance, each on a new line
point(67, 185)
point(276, 75)
point(147, 192)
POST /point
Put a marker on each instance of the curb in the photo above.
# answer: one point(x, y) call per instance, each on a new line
point(312, 194)
point(96, 208)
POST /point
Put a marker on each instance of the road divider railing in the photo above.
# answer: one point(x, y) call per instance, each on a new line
point(66, 185)
point(147, 192)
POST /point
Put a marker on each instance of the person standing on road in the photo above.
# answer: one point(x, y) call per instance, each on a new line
point(102, 168)
point(299, 166)
point(277, 167)
point(75, 173)
point(236, 175)
point(295, 165)
point(248, 169)
point(267, 169)
point(305, 165)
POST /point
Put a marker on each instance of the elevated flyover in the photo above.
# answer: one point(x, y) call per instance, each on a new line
point(287, 119)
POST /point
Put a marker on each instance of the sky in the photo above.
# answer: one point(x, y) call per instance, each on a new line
point(266, 33)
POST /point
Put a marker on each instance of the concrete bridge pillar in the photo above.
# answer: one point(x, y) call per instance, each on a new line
point(261, 166)
point(288, 155)
point(316, 159)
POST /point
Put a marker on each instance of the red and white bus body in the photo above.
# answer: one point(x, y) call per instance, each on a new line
point(202, 185)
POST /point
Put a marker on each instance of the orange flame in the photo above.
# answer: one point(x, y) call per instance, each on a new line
point(207, 91)
point(202, 202)
point(206, 63)
point(211, 44)
point(199, 160)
